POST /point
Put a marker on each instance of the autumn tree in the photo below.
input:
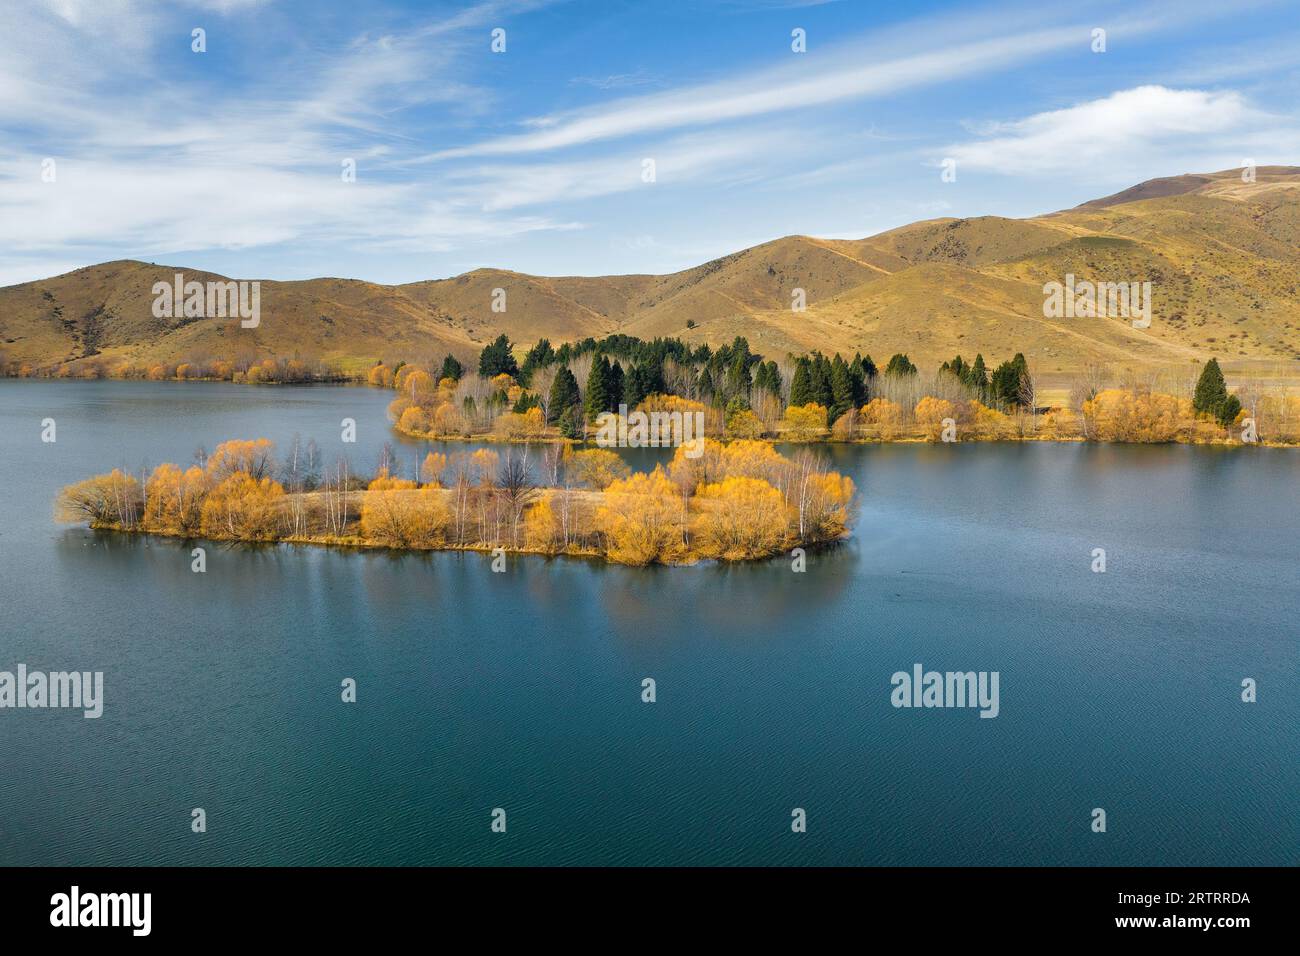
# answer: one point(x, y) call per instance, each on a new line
point(641, 520)
point(740, 518)
point(244, 508)
point(930, 414)
point(113, 499)
point(404, 518)
point(253, 458)
point(805, 422)
point(174, 499)
point(597, 467)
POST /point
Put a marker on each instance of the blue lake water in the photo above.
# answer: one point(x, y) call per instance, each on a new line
point(522, 690)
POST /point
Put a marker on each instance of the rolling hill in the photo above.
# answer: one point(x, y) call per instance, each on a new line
point(1222, 255)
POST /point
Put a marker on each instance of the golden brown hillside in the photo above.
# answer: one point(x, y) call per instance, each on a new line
point(1222, 255)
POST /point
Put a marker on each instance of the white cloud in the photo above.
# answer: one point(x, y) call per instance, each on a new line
point(1115, 134)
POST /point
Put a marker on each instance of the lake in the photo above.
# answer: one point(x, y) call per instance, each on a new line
point(1118, 690)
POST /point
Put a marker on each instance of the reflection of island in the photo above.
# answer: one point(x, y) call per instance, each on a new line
point(731, 502)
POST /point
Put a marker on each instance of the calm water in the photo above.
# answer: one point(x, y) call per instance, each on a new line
point(522, 690)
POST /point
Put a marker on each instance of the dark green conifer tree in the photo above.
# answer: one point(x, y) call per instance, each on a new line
point(615, 386)
point(801, 392)
point(451, 368)
point(598, 396)
point(841, 389)
point(564, 395)
point(1211, 390)
point(497, 359)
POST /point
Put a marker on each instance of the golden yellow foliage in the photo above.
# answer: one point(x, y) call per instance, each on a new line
point(447, 420)
point(520, 425)
point(174, 499)
point(404, 518)
point(740, 518)
point(641, 518)
point(432, 468)
point(485, 462)
point(827, 509)
point(243, 507)
point(669, 403)
point(412, 379)
point(845, 428)
point(597, 467)
point(1126, 415)
point(805, 422)
point(930, 413)
point(751, 459)
point(383, 481)
point(541, 527)
point(111, 499)
point(887, 416)
point(744, 424)
point(230, 457)
point(413, 421)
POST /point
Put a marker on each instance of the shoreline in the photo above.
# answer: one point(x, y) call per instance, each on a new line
point(360, 545)
point(551, 437)
point(744, 503)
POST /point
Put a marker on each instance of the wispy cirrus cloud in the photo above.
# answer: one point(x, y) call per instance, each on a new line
point(162, 151)
point(762, 94)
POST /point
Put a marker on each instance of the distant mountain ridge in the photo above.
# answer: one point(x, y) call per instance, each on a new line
point(1222, 255)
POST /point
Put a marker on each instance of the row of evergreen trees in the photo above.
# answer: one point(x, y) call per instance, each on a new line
point(1009, 386)
point(625, 370)
point(833, 383)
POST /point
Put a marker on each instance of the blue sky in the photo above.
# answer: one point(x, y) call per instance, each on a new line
point(532, 159)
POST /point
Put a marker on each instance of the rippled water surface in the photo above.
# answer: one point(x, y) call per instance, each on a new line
point(522, 690)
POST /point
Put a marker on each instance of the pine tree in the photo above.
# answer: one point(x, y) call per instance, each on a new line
point(497, 359)
point(978, 378)
point(652, 376)
point(539, 356)
point(821, 381)
point(705, 385)
point(801, 385)
point(564, 395)
point(451, 368)
point(841, 389)
point(772, 377)
point(1004, 386)
point(525, 401)
point(738, 382)
point(597, 398)
point(615, 387)
point(900, 364)
point(1228, 411)
point(858, 379)
point(634, 388)
point(1211, 390)
point(569, 422)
